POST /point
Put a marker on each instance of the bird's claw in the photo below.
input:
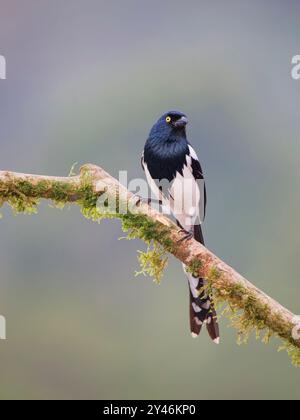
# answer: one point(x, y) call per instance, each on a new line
point(140, 200)
point(186, 237)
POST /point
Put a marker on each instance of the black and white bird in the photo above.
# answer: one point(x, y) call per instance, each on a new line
point(175, 177)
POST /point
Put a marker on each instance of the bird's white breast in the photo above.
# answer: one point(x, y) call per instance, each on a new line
point(182, 196)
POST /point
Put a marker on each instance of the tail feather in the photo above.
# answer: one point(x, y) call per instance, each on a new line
point(198, 235)
point(195, 325)
point(213, 326)
point(202, 309)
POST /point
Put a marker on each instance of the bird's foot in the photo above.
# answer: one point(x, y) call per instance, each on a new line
point(186, 237)
point(140, 200)
point(148, 201)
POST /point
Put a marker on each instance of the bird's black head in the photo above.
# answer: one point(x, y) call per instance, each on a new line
point(170, 126)
point(166, 148)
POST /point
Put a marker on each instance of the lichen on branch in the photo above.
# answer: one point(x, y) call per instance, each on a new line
point(248, 308)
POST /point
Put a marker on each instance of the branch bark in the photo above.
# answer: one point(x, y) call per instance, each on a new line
point(261, 310)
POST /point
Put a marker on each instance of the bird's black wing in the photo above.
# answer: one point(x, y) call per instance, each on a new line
point(160, 188)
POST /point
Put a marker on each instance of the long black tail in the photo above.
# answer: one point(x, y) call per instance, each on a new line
point(202, 309)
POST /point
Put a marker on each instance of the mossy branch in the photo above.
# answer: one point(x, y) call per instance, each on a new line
point(248, 307)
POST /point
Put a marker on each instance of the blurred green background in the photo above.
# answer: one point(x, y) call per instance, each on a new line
point(86, 79)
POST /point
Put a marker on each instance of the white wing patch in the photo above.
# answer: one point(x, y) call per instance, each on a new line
point(197, 173)
point(193, 154)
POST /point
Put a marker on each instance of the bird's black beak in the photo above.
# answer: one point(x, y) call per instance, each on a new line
point(182, 122)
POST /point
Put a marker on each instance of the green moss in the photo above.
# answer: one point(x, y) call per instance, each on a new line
point(15, 194)
point(248, 315)
point(88, 201)
point(60, 192)
point(214, 274)
point(140, 226)
point(194, 267)
point(22, 205)
point(245, 312)
point(25, 187)
point(29, 190)
point(24, 196)
point(153, 262)
point(293, 352)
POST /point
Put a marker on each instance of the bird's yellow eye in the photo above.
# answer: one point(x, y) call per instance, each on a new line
point(168, 119)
